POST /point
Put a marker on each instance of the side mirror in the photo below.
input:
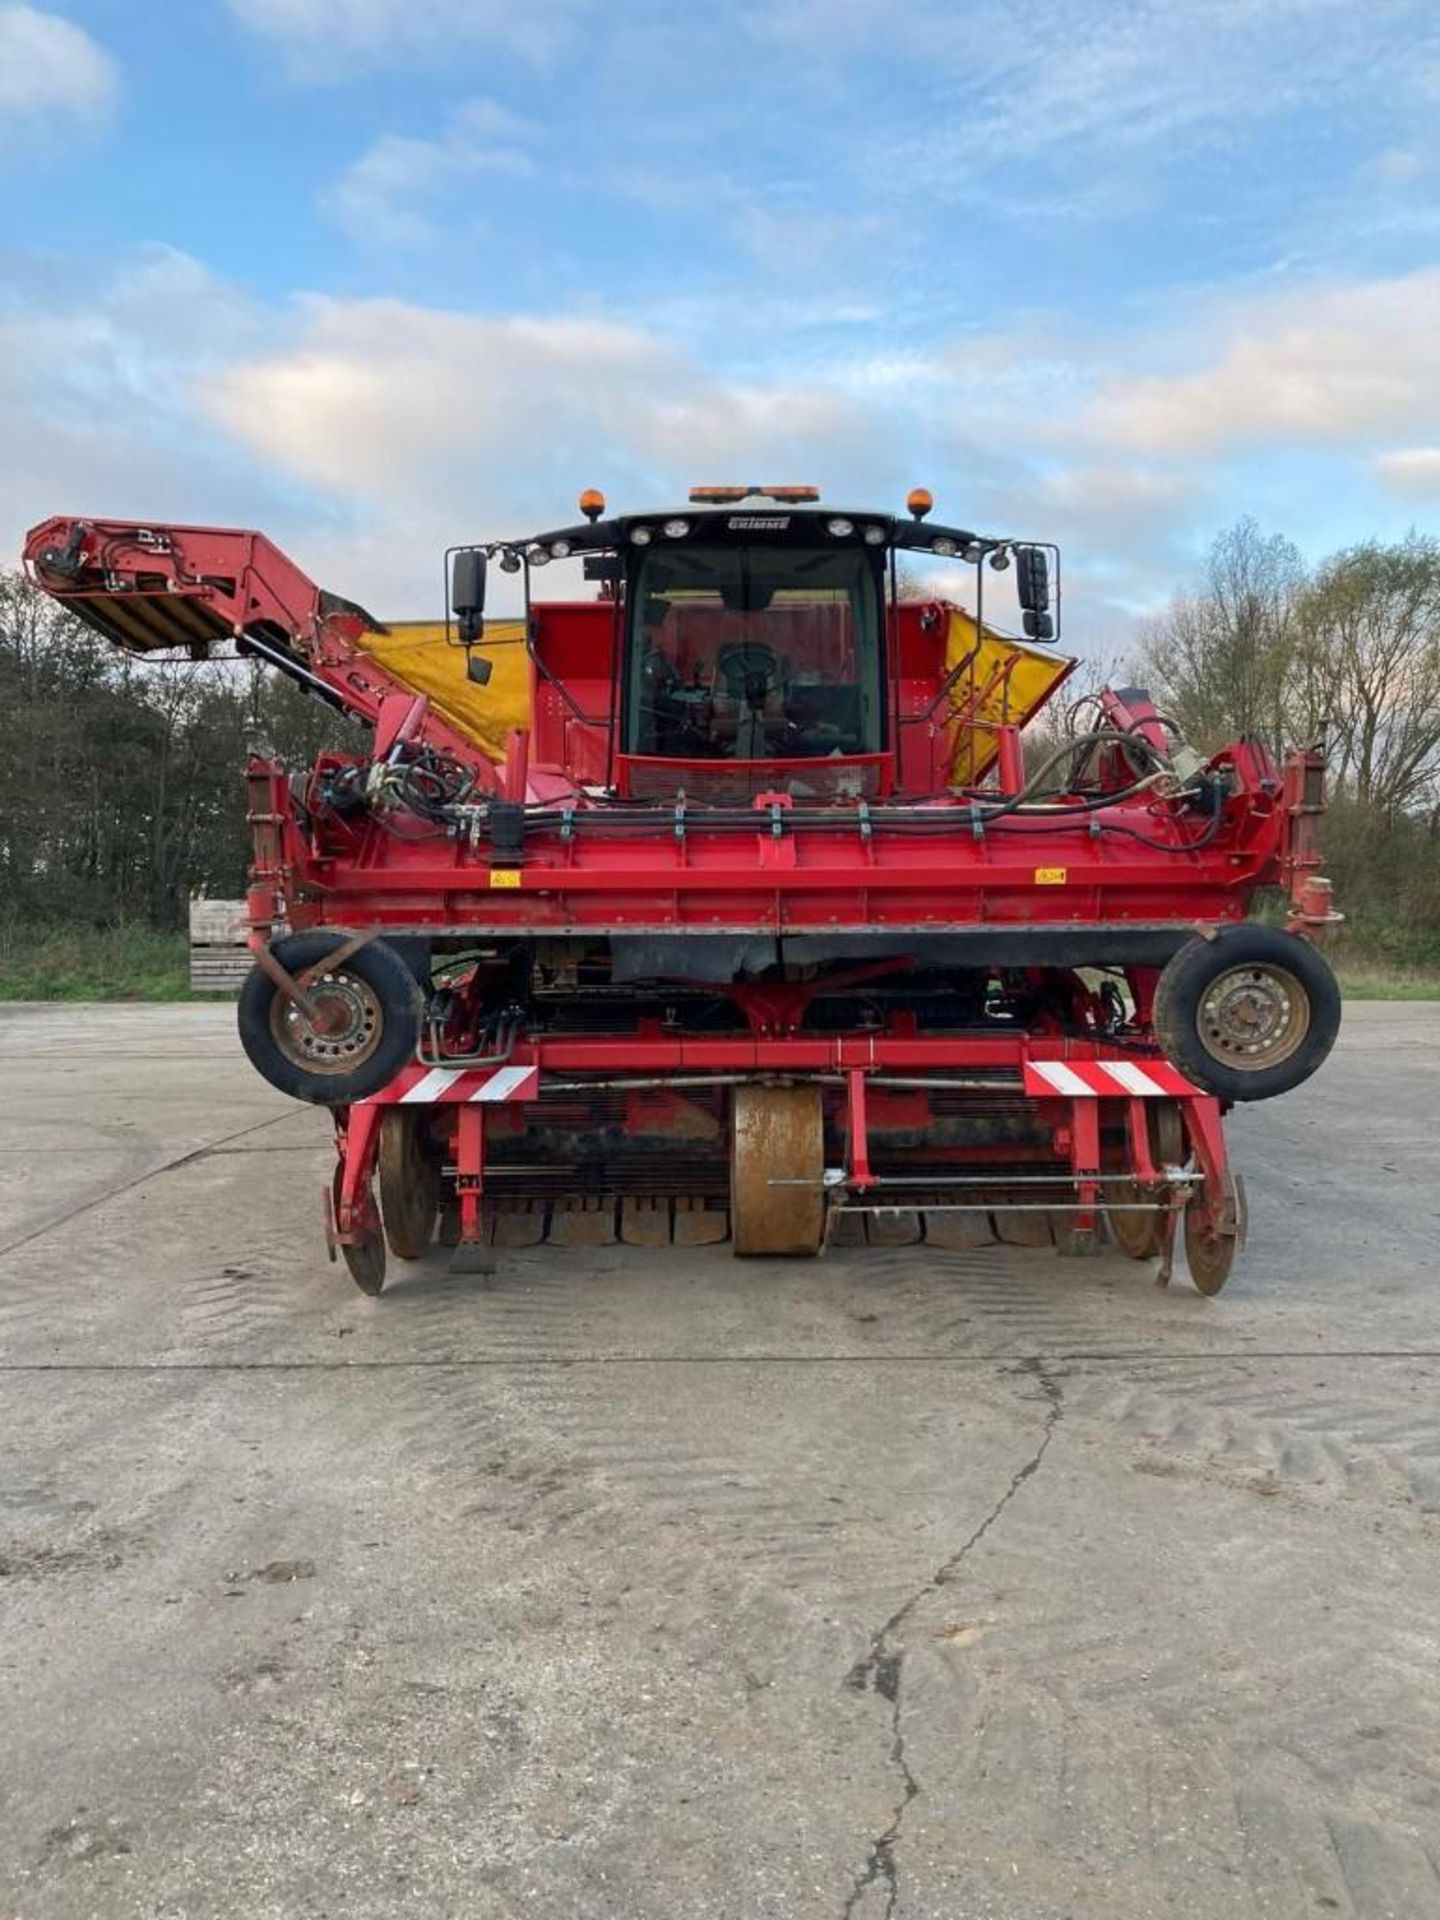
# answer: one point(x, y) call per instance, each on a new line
point(1038, 626)
point(467, 593)
point(1032, 581)
point(478, 670)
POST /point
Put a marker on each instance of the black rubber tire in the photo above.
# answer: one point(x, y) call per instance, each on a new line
point(391, 982)
point(1179, 1000)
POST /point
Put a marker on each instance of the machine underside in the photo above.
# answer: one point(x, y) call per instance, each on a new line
point(887, 1101)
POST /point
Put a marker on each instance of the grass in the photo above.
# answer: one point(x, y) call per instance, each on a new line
point(1383, 959)
point(88, 963)
point(1358, 982)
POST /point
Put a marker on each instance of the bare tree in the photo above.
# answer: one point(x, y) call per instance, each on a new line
point(1371, 621)
point(1225, 660)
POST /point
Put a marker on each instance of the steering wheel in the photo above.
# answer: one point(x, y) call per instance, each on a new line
point(749, 669)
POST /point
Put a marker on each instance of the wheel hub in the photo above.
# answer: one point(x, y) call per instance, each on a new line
point(346, 1030)
point(1254, 1016)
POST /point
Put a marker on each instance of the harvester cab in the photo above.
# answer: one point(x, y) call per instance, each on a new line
point(729, 898)
point(758, 643)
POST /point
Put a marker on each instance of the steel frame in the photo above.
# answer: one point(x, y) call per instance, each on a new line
point(1074, 1121)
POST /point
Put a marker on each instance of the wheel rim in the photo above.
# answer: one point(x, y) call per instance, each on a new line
point(1253, 1017)
point(351, 1022)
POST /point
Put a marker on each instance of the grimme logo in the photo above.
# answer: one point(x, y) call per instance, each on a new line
point(758, 523)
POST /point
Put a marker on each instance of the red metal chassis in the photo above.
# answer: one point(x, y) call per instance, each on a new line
point(900, 861)
point(1070, 1168)
point(913, 859)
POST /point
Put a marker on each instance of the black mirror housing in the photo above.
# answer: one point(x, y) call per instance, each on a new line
point(1038, 626)
point(467, 592)
point(478, 670)
point(1032, 579)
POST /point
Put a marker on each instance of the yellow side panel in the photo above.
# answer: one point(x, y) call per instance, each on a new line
point(1004, 682)
point(415, 653)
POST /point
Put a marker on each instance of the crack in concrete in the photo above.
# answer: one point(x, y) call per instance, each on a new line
point(882, 1668)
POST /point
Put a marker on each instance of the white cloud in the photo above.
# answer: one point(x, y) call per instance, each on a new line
point(397, 404)
point(96, 417)
point(1065, 76)
point(1411, 472)
point(1101, 507)
point(421, 427)
point(809, 245)
point(1339, 365)
point(50, 69)
point(382, 196)
point(367, 434)
point(1396, 166)
point(324, 36)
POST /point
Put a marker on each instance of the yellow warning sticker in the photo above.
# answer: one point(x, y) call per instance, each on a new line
point(1049, 876)
point(504, 876)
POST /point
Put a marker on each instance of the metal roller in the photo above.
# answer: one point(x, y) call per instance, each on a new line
point(1139, 1235)
point(777, 1138)
point(409, 1185)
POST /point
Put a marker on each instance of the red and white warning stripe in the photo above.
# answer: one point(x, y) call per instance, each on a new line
point(418, 1086)
point(1087, 1079)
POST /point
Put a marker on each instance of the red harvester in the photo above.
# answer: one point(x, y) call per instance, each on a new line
point(734, 901)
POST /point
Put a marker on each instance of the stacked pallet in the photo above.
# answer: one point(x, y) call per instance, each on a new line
point(219, 958)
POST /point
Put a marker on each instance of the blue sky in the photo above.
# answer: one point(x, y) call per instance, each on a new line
point(377, 275)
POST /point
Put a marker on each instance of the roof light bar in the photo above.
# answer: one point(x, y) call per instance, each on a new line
point(731, 496)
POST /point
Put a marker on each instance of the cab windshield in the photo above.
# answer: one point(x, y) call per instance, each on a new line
point(754, 653)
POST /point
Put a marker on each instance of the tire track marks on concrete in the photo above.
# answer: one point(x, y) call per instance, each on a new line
point(999, 1300)
point(622, 1469)
point(1353, 1438)
point(172, 1165)
point(228, 1306)
point(538, 1308)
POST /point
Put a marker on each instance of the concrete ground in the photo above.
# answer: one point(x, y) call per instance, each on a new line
point(663, 1584)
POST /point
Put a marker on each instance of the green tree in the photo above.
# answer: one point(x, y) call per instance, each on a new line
point(121, 778)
